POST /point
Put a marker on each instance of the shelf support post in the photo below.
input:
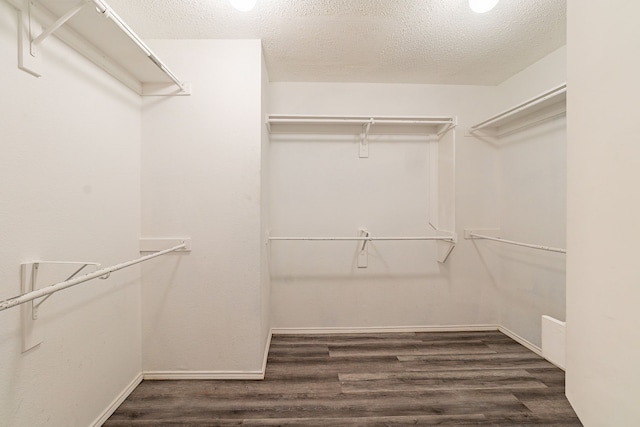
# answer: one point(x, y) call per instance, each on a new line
point(363, 255)
point(364, 139)
point(57, 24)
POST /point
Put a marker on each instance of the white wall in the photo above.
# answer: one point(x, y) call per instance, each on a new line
point(70, 191)
point(603, 375)
point(265, 206)
point(321, 187)
point(201, 168)
point(548, 72)
point(532, 206)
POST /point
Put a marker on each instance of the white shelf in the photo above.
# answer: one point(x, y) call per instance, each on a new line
point(549, 104)
point(375, 125)
point(101, 37)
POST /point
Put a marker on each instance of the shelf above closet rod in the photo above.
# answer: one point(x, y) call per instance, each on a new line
point(109, 43)
point(105, 272)
point(557, 95)
point(103, 8)
point(282, 123)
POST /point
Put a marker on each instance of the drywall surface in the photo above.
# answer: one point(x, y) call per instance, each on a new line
point(547, 73)
point(603, 377)
point(532, 205)
point(532, 210)
point(264, 206)
point(201, 177)
point(320, 187)
point(70, 174)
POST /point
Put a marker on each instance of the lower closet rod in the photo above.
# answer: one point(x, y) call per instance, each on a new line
point(365, 238)
point(30, 296)
point(526, 245)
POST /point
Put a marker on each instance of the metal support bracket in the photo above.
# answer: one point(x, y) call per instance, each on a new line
point(28, 41)
point(33, 274)
point(27, 61)
point(363, 254)
point(364, 139)
point(54, 26)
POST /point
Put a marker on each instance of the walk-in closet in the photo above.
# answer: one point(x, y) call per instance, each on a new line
point(318, 212)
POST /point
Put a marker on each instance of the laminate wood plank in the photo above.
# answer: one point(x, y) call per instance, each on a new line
point(551, 376)
point(439, 380)
point(288, 367)
point(373, 405)
point(473, 361)
point(420, 420)
point(425, 349)
point(299, 350)
point(507, 347)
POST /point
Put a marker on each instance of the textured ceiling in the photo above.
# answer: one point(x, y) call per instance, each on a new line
point(391, 41)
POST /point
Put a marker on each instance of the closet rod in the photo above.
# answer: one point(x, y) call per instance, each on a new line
point(30, 296)
point(547, 96)
point(108, 12)
point(447, 238)
point(511, 242)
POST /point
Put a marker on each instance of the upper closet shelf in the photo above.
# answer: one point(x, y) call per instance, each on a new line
point(549, 104)
point(92, 28)
point(376, 125)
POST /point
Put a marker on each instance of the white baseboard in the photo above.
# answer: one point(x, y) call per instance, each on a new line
point(537, 350)
point(118, 401)
point(384, 329)
point(554, 341)
point(203, 375)
point(266, 353)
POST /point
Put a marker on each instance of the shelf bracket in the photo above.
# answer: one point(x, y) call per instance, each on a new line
point(363, 254)
point(57, 24)
point(45, 272)
point(364, 139)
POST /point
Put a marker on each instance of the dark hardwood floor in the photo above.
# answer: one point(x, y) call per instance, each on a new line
point(448, 378)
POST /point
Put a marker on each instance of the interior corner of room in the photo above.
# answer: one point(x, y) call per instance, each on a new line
point(176, 193)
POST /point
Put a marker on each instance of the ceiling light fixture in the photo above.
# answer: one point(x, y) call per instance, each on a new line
point(243, 5)
point(482, 6)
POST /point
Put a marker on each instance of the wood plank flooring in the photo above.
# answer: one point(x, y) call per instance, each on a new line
point(448, 378)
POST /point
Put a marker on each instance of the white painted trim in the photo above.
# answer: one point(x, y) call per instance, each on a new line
point(266, 353)
point(553, 341)
point(537, 350)
point(118, 401)
point(203, 375)
point(385, 329)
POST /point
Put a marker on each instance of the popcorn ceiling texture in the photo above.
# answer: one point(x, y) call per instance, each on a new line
point(400, 41)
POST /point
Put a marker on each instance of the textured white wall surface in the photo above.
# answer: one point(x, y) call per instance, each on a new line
point(400, 41)
point(603, 349)
point(322, 188)
point(265, 203)
point(69, 191)
point(201, 177)
point(532, 206)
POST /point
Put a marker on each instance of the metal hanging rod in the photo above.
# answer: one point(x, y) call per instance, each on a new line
point(108, 12)
point(366, 238)
point(511, 242)
point(550, 97)
point(30, 296)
